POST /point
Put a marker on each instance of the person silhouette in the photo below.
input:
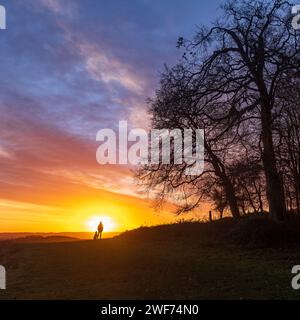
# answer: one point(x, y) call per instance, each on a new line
point(100, 230)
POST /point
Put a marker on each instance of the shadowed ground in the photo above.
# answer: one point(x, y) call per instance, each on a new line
point(183, 261)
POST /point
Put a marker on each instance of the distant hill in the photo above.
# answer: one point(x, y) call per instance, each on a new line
point(59, 235)
point(42, 239)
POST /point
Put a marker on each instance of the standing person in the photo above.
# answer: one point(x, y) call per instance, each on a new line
point(100, 230)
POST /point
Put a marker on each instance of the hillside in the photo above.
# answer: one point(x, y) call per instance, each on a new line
point(181, 261)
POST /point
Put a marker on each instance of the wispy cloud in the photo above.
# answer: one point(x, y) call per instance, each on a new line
point(68, 69)
point(54, 5)
point(101, 67)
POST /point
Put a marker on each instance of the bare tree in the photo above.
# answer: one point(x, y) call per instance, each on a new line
point(287, 140)
point(227, 83)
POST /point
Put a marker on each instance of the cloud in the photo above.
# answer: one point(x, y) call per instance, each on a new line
point(54, 5)
point(68, 69)
point(101, 67)
point(4, 153)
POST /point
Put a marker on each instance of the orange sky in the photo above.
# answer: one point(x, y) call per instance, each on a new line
point(51, 181)
point(73, 212)
point(63, 78)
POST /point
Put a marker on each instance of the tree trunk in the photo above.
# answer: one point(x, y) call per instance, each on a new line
point(275, 192)
point(258, 193)
point(226, 183)
point(230, 196)
point(250, 198)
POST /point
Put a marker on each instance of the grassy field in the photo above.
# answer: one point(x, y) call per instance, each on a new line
point(182, 261)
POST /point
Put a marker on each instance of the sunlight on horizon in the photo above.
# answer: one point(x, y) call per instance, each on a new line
point(108, 223)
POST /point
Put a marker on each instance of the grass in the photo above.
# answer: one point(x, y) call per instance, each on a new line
point(181, 261)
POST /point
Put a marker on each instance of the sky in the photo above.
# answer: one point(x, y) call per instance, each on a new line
point(69, 69)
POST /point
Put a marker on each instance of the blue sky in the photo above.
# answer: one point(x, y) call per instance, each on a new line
point(70, 68)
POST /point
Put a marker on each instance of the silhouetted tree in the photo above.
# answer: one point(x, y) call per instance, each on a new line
point(227, 83)
point(287, 140)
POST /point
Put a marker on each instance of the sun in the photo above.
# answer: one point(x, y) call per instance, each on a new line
point(108, 223)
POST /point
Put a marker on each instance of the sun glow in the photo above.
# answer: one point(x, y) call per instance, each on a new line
point(108, 223)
